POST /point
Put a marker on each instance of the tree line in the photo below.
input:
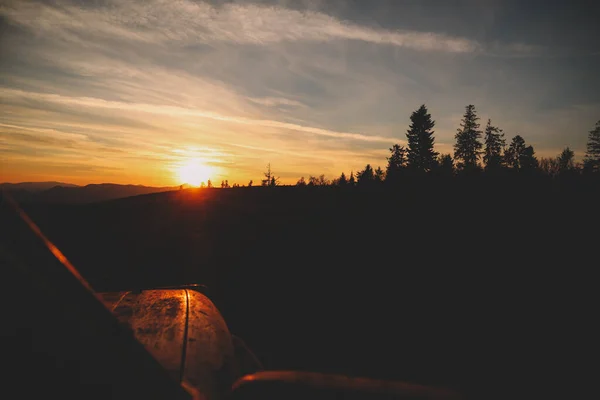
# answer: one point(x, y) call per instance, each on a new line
point(476, 151)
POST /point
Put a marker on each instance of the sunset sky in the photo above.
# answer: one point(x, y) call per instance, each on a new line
point(133, 91)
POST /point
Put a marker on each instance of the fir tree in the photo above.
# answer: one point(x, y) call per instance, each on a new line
point(468, 146)
point(396, 164)
point(420, 154)
point(512, 156)
point(494, 144)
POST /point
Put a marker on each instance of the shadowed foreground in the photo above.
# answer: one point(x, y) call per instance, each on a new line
point(420, 286)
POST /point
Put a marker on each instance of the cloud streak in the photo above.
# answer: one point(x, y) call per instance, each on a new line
point(184, 22)
point(276, 101)
point(175, 111)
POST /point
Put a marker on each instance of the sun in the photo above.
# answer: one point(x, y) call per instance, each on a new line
point(193, 172)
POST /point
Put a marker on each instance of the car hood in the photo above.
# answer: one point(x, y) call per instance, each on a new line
point(183, 331)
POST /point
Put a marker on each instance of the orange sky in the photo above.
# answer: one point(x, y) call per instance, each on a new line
point(135, 91)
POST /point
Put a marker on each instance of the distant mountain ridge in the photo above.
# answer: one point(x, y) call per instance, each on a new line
point(34, 186)
point(59, 192)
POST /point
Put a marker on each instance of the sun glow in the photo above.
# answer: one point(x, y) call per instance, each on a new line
point(194, 172)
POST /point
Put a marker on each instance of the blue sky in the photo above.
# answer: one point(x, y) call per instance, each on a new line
point(130, 91)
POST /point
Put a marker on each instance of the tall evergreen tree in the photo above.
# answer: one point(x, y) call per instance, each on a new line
point(494, 144)
point(512, 156)
point(468, 145)
point(342, 181)
point(396, 163)
point(592, 154)
point(420, 154)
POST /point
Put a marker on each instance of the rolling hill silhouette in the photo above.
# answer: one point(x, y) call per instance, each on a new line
point(58, 192)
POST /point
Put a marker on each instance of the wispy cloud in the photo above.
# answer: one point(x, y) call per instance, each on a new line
point(186, 112)
point(235, 145)
point(137, 85)
point(186, 22)
point(276, 101)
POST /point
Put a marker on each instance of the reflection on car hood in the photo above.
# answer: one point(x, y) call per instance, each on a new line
point(183, 330)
